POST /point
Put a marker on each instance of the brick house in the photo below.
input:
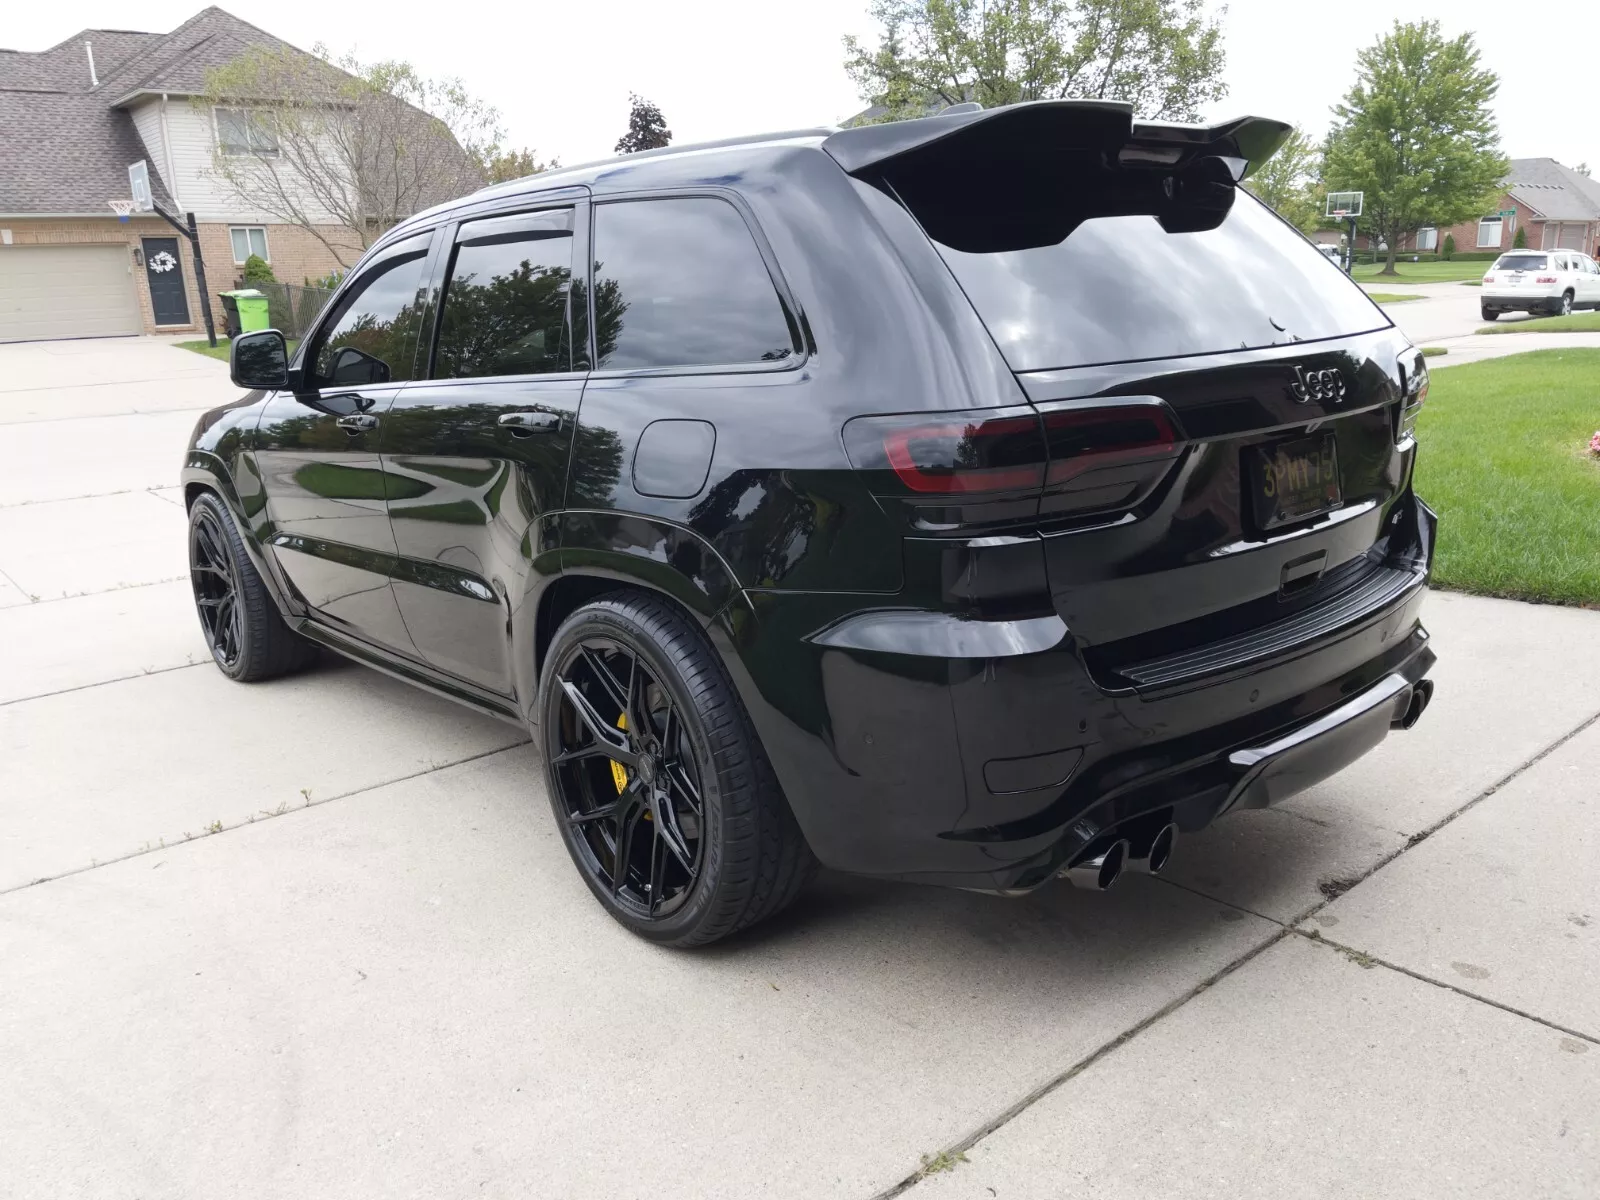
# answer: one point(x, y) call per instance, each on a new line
point(74, 117)
point(1557, 209)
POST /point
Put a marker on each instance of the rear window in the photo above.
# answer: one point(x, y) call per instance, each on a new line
point(1120, 288)
point(1522, 262)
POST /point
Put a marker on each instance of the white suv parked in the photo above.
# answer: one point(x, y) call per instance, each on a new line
point(1540, 281)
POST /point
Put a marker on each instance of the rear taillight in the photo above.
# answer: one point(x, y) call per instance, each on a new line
point(1416, 382)
point(1078, 456)
point(1488, 278)
point(1088, 439)
point(955, 454)
point(1545, 279)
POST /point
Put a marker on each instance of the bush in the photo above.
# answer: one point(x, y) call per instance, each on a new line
point(1520, 242)
point(1449, 250)
point(329, 282)
point(257, 271)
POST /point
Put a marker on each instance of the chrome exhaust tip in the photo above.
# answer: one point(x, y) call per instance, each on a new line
point(1157, 855)
point(1416, 705)
point(1098, 873)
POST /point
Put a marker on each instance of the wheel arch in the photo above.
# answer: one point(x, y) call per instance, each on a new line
point(604, 552)
point(205, 473)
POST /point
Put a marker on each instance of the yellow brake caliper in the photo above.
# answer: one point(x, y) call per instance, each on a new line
point(619, 774)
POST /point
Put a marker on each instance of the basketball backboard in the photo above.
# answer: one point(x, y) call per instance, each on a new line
point(1345, 204)
point(139, 186)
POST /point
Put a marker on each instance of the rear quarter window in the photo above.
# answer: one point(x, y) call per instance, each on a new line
point(680, 282)
point(1122, 288)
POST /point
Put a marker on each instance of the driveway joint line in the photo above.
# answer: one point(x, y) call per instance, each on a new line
point(1423, 835)
point(133, 491)
point(1285, 930)
point(83, 687)
point(132, 412)
point(121, 587)
point(282, 810)
point(1357, 954)
point(1103, 1050)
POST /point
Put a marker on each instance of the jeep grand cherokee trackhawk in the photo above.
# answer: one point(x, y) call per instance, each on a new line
point(974, 500)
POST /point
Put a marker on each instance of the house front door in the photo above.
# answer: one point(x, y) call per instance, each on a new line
point(163, 269)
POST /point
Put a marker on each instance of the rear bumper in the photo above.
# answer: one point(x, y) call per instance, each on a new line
point(1521, 301)
point(986, 754)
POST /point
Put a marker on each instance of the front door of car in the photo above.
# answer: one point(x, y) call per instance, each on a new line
point(478, 450)
point(317, 446)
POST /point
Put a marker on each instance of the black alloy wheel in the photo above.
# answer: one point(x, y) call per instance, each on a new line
point(665, 798)
point(216, 589)
point(243, 628)
point(629, 774)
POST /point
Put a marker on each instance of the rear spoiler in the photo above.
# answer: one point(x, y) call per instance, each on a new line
point(1245, 142)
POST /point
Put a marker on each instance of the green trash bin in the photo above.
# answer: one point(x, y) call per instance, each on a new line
point(252, 310)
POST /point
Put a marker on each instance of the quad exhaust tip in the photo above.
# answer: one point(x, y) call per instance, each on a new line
point(1416, 705)
point(1157, 855)
point(1097, 874)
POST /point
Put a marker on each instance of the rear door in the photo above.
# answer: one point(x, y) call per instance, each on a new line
point(318, 449)
point(478, 451)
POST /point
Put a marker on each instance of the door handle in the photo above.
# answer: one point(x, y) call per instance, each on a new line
point(358, 423)
point(524, 423)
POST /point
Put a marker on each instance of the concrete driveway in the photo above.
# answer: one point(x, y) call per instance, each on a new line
point(319, 937)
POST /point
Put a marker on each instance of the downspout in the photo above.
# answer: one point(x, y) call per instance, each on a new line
point(166, 153)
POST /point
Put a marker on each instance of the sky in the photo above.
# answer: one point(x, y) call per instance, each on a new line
point(560, 73)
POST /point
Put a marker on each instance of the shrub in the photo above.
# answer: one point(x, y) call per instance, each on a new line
point(257, 271)
point(1449, 250)
point(328, 282)
point(1520, 242)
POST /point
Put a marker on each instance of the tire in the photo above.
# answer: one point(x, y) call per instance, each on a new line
point(1566, 304)
point(1490, 314)
point(245, 632)
point(737, 858)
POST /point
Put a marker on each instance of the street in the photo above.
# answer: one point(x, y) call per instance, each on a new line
point(320, 936)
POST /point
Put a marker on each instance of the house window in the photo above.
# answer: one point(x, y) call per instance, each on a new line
point(248, 240)
point(242, 131)
point(1427, 238)
point(1489, 233)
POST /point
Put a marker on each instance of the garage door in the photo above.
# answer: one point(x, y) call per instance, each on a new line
point(1572, 236)
point(66, 292)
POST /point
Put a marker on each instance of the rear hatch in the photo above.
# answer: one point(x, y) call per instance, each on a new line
point(1225, 412)
point(1521, 274)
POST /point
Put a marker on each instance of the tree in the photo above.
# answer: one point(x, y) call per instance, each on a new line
point(1165, 56)
point(502, 166)
point(1519, 240)
point(647, 128)
point(1287, 182)
point(1582, 168)
point(344, 150)
point(1448, 250)
point(1416, 134)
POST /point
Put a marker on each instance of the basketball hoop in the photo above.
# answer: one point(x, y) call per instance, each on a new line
point(122, 208)
point(1339, 214)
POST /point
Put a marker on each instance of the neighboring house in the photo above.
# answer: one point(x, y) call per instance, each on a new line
point(1557, 209)
point(72, 118)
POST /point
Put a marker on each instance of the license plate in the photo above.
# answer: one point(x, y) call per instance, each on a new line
point(1290, 481)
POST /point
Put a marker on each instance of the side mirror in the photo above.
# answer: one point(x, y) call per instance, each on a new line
point(357, 368)
point(259, 360)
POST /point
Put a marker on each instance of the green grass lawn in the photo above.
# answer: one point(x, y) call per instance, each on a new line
point(1421, 272)
point(220, 350)
point(1503, 462)
point(1582, 322)
point(1391, 297)
point(1434, 351)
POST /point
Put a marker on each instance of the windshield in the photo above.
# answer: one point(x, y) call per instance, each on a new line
point(1120, 288)
point(1522, 262)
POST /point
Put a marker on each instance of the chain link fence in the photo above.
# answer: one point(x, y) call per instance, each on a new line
point(293, 308)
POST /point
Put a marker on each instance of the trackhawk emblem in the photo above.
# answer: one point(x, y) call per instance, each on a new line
point(1317, 385)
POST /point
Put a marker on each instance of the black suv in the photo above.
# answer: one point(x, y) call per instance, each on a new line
point(973, 500)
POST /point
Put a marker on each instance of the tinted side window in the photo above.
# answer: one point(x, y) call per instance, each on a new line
point(505, 305)
point(373, 335)
point(680, 283)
